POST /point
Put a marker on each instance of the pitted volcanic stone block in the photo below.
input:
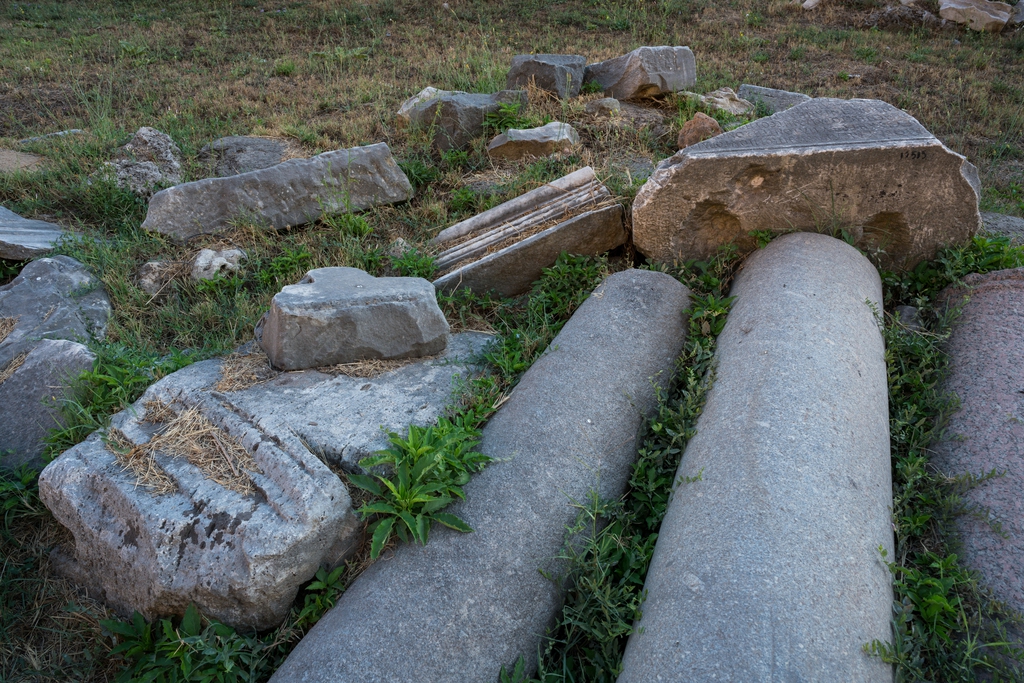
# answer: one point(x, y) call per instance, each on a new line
point(645, 72)
point(343, 315)
point(767, 564)
point(558, 74)
point(986, 433)
point(864, 164)
point(291, 193)
point(464, 605)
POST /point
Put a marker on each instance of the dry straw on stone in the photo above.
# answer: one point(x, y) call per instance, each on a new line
point(139, 460)
point(7, 326)
point(12, 367)
point(370, 368)
point(241, 371)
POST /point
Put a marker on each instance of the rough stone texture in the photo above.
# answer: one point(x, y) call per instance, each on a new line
point(58, 134)
point(29, 398)
point(775, 100)
point(1018, 14)
point(19, 161)
point(698, 129)
point(239, 558)
point(344, 315)
point(399, 247)
point(23, 238)
point(606, 106)
point(864, 164)
point(987, 432)
point(512, 270)
point(288, 194)
point(980, 15)
point(558, 74)
point(421, 100)
point(147, 161)
point(767, 565)
point(723, 99)
point(456, 118)
point(645, 72)
point(464, 605)
point(154, 277)
point(910, 318)
point(243, 153)
point(208, 263)
point(1001, 224)
point(542, 141)
point(52, 299)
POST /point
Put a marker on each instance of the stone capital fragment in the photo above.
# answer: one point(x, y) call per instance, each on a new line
point(859, 167)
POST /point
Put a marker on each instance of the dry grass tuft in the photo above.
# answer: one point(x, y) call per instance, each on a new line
point(370, 368)
point(157, 412)
point(7, 326)
point(139, 459)
point(239, 371)
point(12, 367)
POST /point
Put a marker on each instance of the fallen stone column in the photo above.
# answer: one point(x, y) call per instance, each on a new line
point(767, 566)
point(464, 605)
point(987, 432)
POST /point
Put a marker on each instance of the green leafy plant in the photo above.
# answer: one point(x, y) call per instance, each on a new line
point(414, 264)
point(284, 67)
point(283, 268)
point(418, 172)
point(591, 87)
point(507, 116)
point(348, 224)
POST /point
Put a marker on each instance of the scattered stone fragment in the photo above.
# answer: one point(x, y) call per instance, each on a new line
point(398, 248)
point(53, 304)
point(634, 117)
point(288, 194)
point(1001, 224)
point(698, 129)
point(768, 565)
point(863, 165)
point(810, 4)
point(512, 270)
point(645, 72)
point(723, 99)
point(455, 119)
point(244, 153)
point(60, 133)
point(980, 15)
point(23, 238)
point(464, 605)
point(543, 141)
point(1018, 14)
point(209, 264)
point(146, 162)
point(154, 277)
point(775, 100)
point(909, 317)
point(345, 315)
point(904, 17)
point(420, 101)
point(986, 433)
point(561, 75)
point(606, 106)
point(19, 161)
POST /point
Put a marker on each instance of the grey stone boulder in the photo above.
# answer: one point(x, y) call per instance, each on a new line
point(645, 72)
point(606, 107)
point(775, 100)
point(768, 565)
point(464, 605)
point(1002, 224)
point(862, 165)
point(235, 530)
point(561, 75)
point(31, 387)
point(455, 119)
point(411, 110)
point(148, 161)
point(551, 138)
point(979, 15)
point(24, 238)
point(291, 193)
point(344, 315)
point(1018, 14)
point(209, 264)
point(244, 153)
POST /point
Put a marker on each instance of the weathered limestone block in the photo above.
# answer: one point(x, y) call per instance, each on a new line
point(24, 238)
point(558, 74)
point(606, 106)
point(987, 432)
point(150, 159)
point(1002, 224)
point(239, 549)
point(413, 106)
point(542, 141)
point(285, 195)
point(861, 165)
point(645, 72)
point(154, 277)
point(464, 605)
point(244, 153)
point(344, 315)
point(767, 565)
point(31, 385)
point(208, 263)
point(775, 100)
point(513, 269)
point(980, 15)
point(456, 118)
point(723, 99)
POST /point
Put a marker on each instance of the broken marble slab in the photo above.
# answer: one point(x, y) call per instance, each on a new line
point(860, 165)
point(23, 238)
point(345, 315)
point(774, 100)
point(516, 143)
point(291, 193)
point(645, 72)
point(512, 270)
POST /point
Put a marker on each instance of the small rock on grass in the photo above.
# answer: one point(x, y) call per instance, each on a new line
point(543, 141)
point(606, 106)
point(699, 128)
point(153, 277)
point(208, 263)
point(723, 99)
point(146, 162)
point(774, 99)
point(979, 15)
point(561, 75)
